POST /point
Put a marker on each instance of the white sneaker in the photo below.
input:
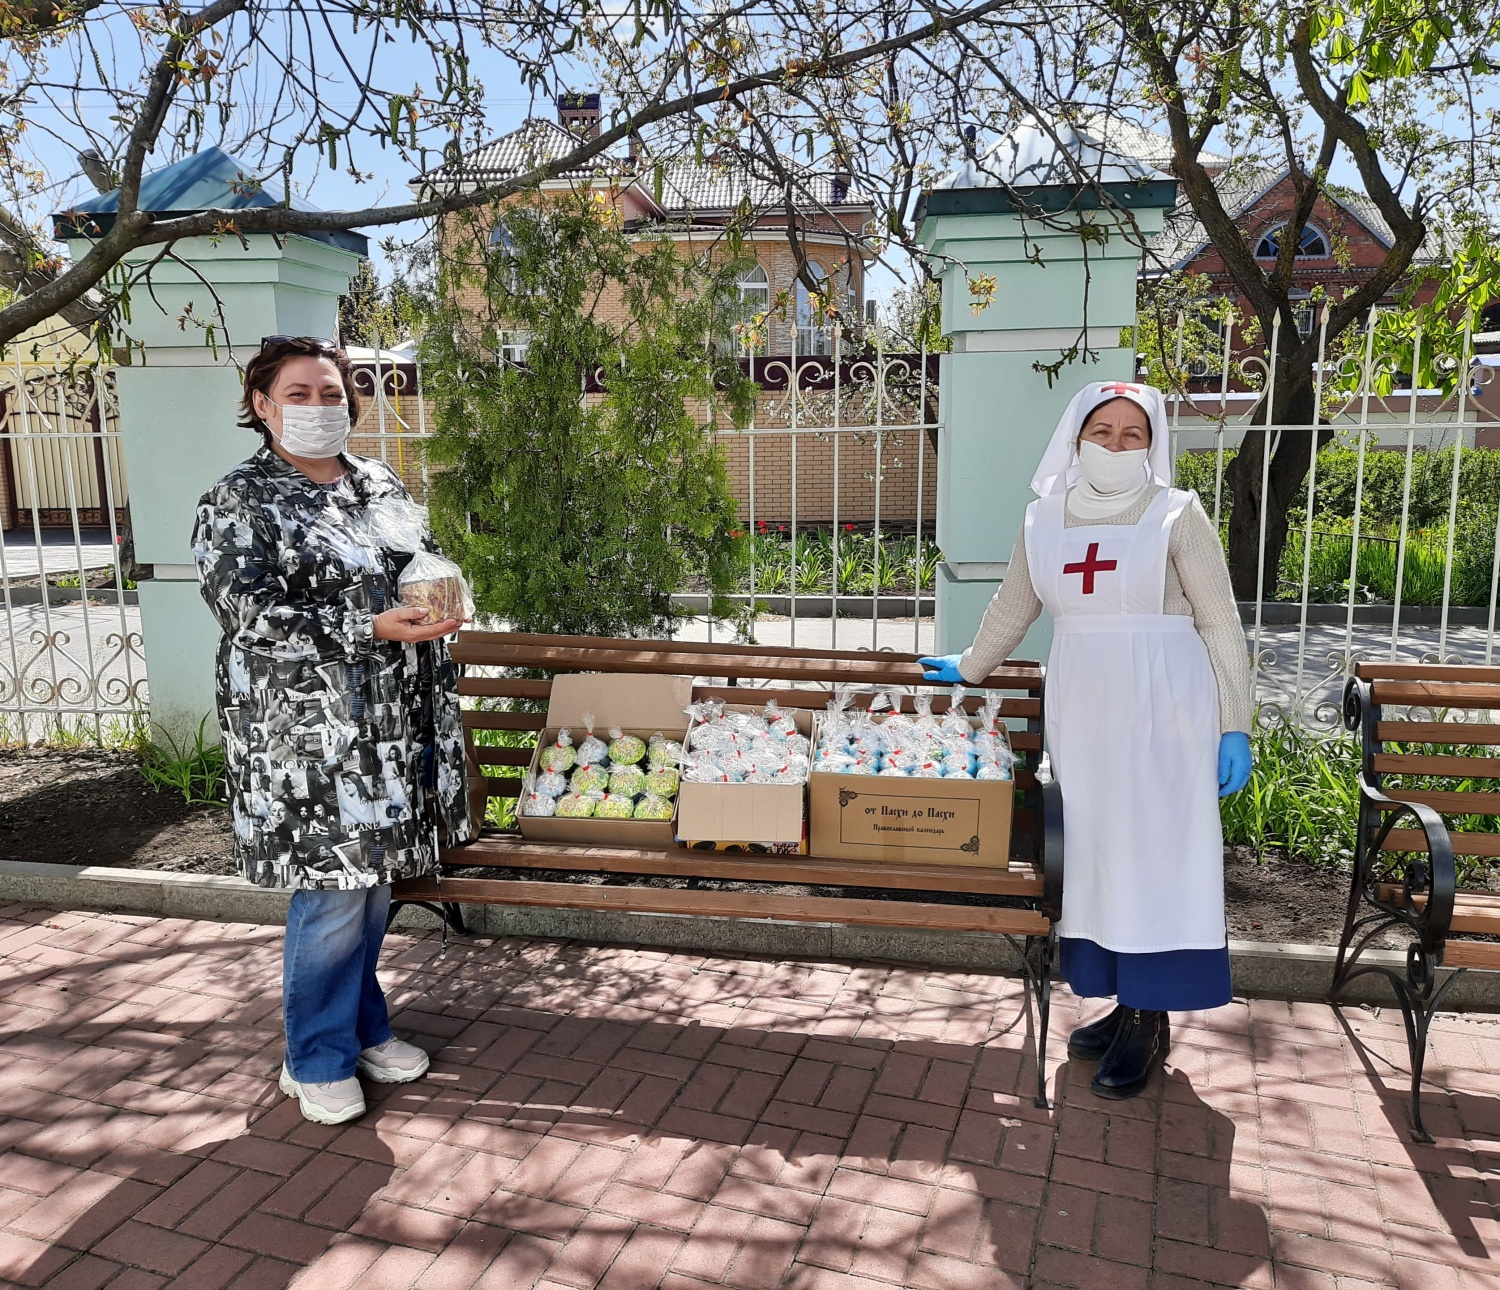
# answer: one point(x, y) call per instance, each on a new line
point(326, 1103)
point(393, 1062)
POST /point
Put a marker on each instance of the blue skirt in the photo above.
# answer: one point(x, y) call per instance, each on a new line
point(1169, 981)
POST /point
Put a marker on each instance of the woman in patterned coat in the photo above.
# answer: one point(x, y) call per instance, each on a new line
point(338, 712)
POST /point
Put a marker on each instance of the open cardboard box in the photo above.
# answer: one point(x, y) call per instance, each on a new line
point(746, 817)
point(638, 705)
point(914, 821)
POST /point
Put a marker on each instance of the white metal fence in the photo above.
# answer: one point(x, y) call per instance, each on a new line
point(1306, 631)
point(71, 661)
point(1391, 554)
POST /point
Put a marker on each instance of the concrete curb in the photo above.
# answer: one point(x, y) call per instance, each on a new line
point(1261, 969)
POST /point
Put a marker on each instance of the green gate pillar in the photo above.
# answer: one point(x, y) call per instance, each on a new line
point(179, 393)
point(1065, 260)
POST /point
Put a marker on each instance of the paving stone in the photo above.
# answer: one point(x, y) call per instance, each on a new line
point(616, 1118)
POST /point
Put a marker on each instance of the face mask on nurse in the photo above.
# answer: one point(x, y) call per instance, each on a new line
point(1113, 447)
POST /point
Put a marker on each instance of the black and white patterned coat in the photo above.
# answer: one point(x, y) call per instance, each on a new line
point(335, 743)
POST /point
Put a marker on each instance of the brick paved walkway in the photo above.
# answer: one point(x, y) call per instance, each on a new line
point(629, 1119)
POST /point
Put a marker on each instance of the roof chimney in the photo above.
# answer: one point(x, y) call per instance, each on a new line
point(579, 113)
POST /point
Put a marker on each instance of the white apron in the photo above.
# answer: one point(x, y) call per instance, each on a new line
point(1133, 734)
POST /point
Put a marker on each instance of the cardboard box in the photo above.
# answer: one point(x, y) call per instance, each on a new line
point(638, 705)
point(913, 821)
point(746, 817)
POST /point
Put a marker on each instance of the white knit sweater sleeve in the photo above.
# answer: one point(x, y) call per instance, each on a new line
point(1012, 609)
point(1198, 558)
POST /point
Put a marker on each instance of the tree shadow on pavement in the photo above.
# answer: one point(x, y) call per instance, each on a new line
point(604, 1115)
point(143, 1130)
point(1447, 1188)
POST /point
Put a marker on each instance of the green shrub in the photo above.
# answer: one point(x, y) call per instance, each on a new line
point(196, 769)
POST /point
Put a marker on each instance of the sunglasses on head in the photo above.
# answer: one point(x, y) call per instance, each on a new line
point(331, 347)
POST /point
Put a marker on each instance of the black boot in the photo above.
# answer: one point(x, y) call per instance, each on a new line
point(1140, 1043)
point(1090, 1043)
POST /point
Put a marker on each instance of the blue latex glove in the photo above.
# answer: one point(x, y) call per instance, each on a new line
point(943, 668)
point(1235, 762)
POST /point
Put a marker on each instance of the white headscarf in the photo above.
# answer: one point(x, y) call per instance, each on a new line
point(1059, 467)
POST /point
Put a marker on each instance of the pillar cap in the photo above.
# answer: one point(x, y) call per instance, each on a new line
point(208, 180)
point(1049, 169)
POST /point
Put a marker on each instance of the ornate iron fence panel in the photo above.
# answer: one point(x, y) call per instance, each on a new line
point(71, 661)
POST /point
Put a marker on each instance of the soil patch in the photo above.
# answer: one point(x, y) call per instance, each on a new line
point(90, 807)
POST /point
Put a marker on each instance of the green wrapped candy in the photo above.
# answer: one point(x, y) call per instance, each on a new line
point(615, 806)
point(629, 780)
point(663, 781)
point(625, 750)
point(589, 779)
point(663, 751)
point(653, 807)
point(559, 755)
point(575, 806)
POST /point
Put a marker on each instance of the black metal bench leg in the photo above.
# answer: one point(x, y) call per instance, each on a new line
point(451, 914)
point(1044, 1015)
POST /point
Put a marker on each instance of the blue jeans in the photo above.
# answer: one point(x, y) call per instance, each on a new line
point(331, 1003)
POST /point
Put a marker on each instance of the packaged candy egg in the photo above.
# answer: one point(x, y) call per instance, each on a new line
point(663, 781)
point(560, 754)
point(589, 779)
point(615, 806)
point(551, 783)
point(575, 806)
point(991, 770)
point(625, 750)
point(629, 780)
point(592, 750)
point(652, 807)
point(536, 803)
point(661, 751)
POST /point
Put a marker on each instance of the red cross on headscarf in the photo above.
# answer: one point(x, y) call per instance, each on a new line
point(1119, 387)
point(1091, 565)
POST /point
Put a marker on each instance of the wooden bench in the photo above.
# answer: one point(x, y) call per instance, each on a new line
point(1405, 875)
point(1019, 900)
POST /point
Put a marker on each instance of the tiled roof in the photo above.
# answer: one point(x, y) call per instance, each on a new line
point(1126, 139)
point(535, 142)
point(686, 187)
point(1241, 189)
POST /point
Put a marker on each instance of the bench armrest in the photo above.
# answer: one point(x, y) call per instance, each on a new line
point(1437, 916)
point(1052, 849)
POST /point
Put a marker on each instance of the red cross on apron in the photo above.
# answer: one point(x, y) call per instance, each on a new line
point(1091, 565)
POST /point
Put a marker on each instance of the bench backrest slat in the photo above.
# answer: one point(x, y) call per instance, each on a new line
point(1437, 732)
point(1449, 767)
point(1436, 694)
point(1449, 802)
point(1425, 672)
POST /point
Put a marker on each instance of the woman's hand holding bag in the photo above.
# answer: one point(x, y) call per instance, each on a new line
point(1235, 762)
point(408, 624)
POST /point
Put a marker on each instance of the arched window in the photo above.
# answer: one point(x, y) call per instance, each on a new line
point(1311, 246)
point(814, 333)
point(755, 300)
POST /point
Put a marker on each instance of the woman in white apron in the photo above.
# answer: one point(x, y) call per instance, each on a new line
point(1148, 714)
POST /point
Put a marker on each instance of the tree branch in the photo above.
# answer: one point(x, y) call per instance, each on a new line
point(134, 229)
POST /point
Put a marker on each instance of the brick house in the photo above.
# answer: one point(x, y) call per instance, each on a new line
point(693, 204)
point(1344, 242)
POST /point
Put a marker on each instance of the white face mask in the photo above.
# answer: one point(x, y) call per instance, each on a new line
point(1111, 472)
point(308, 431)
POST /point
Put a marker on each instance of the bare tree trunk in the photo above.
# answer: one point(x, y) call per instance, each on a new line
point(1247, 476)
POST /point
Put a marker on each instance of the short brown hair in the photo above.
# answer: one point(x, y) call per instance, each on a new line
point(262, 370)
